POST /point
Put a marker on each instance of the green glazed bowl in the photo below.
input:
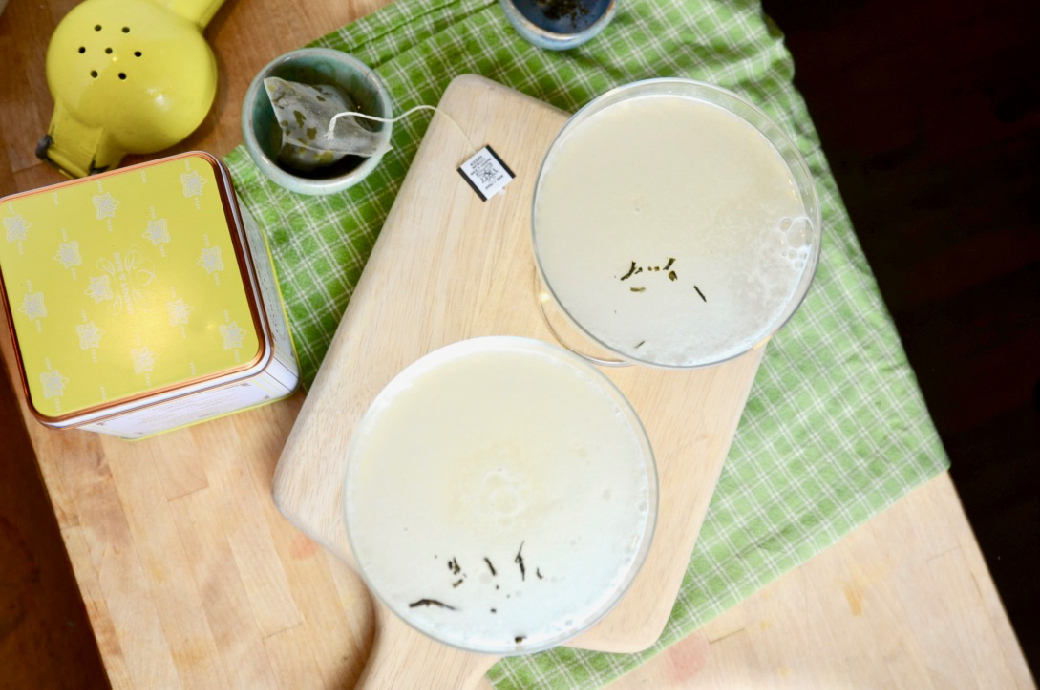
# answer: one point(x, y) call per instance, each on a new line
point(263, 136)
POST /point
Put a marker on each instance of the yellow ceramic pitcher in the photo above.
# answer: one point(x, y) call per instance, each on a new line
point(127, 76)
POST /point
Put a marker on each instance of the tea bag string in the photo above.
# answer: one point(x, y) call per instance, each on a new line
point(332, 120)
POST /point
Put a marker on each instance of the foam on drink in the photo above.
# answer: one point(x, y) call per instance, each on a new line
point(671, 230)
point(500, 498)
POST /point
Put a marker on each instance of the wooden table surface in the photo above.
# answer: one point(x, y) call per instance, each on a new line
point(190, 576)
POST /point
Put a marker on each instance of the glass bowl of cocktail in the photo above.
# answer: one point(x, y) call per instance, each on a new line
point(500, 495)
point(674, 225)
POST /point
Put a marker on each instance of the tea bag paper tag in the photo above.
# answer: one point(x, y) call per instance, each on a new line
point(486, 173)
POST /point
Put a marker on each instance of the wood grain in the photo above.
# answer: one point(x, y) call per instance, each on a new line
point(916, 593)
point(134, 558)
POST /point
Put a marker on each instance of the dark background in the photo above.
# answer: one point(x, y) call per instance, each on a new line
point(929, 113)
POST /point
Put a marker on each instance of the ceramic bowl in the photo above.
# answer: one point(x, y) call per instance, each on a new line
point(262, 133)
point(559, 24)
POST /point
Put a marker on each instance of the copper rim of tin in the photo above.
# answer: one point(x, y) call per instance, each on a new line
point(155, 396)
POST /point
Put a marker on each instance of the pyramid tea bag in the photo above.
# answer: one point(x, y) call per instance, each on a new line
point(304, 113)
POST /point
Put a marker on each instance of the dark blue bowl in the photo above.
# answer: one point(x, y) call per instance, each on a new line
point(559, 24)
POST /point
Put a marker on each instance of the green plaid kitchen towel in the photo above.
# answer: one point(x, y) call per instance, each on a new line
point(835, 429)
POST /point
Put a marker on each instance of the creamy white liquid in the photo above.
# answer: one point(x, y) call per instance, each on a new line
point(469, 454)
point(658, 179)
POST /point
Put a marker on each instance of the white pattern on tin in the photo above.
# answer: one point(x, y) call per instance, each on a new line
point(17, 228)
point(211, 259)
point(232, 335)
point(33, 306)
point(53, 383)
point(68, 254)
point(104, 206)
point(100, 289)
point(89, 336)
point(131, 274)
point(144, 360)
point(157, 232)
point(178, 312)
point(191, 184)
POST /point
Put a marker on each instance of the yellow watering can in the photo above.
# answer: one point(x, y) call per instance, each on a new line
point(127, 76)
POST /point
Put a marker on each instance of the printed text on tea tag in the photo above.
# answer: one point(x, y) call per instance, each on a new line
point(486, 173)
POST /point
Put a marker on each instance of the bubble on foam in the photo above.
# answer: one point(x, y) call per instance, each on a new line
point(800, 232)
point(504, 494)
point(796, 240)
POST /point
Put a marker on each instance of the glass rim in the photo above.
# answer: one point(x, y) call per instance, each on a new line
point(507, 343)
point(799, 162)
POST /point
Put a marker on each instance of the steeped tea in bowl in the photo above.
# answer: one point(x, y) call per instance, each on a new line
point(500, 495)
point(674, 224)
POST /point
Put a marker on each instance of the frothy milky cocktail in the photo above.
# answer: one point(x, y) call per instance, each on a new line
point(500, 495)
point(670, 228)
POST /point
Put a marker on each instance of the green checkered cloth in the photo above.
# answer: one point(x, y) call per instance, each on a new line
point(835, 429)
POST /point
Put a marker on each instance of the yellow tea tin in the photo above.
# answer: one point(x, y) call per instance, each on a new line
point(142, 300)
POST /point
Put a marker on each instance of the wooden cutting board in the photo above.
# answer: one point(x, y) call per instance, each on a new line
point(448, 266)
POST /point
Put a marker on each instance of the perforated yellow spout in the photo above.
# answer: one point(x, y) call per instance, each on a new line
point(127, 76)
